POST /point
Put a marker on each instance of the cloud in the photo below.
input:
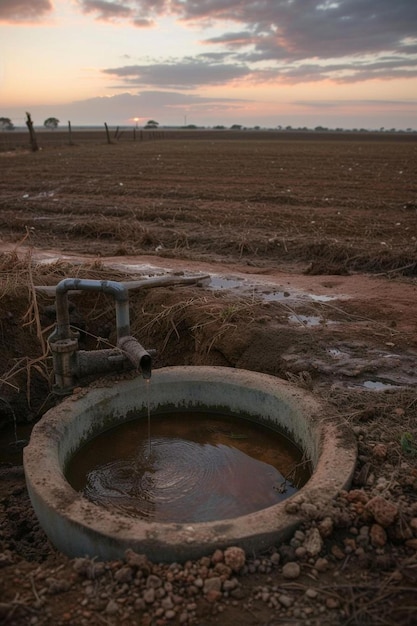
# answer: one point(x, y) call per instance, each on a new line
point(298, 40)
point(188, 73)
point(163, 106)
point(24, 10)
point(139, 13)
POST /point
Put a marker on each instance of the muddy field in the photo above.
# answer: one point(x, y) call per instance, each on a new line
point(309, 243)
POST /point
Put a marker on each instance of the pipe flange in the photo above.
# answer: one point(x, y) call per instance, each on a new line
point(64, 345)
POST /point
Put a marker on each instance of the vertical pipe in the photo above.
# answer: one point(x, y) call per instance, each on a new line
point(117, 290)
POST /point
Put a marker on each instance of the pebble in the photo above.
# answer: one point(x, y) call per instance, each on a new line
point(212, 584)
point(285, 600)
point(313, 543)
point(378, 535)
point(291, 570)
point(384, 511)
point(322, 565)
point(235, 558)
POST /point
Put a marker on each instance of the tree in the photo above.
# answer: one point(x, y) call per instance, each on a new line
point(6, 123)
point(151, 124)
point(51, 122)
point(236, 127)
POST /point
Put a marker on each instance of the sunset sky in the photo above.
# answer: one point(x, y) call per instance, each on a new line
point(334, 63)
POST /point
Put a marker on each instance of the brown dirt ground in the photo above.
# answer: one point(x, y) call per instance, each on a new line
point(289, 214)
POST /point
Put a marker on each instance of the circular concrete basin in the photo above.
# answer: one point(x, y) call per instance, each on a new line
point(78, 527)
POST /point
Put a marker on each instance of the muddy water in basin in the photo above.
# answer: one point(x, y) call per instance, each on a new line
point(200, 468)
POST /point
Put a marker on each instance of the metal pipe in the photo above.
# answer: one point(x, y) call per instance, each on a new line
point(70, 364)
point(137, 355)
point(117, 290)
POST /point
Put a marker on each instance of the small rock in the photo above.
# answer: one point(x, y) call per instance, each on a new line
point(153, 582)
point(217, 557)
point(300, 552)
point(235, 558)
point(124, 574)
point(383, 511)
point(285, 600)
point(378, 536)
point(380, 451)
point(292, 507)
point(139, 561)
point(231, 584)
point(275, 558)
point(337, 552)
point(332, 603)
point(211, 584)
point(326, 527)
point(321, 565)
point(291, 570)
point(357, 495)
point(149, 595)
point(309, 510)
point(111, 607)
point(313, 542)
point(213, 596)
point(311, 593)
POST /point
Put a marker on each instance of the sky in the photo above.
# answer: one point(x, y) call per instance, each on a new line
point(268, 63)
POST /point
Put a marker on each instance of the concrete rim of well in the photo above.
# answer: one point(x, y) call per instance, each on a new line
point(78, 527)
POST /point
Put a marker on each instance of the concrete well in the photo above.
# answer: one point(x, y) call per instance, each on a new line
point(78, 527)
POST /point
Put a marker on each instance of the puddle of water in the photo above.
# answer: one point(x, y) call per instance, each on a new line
point(317, 298)
point(307, 320)
point(222, 282)
point(377, 385)
point(276, 296)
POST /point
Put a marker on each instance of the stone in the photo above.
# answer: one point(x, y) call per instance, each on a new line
point(212, 584)
point(321, 565)
point(309, 510)
point(153, 582)
point(124, 574)
point(111, 607)
point(332, 603)
point(213, 596)
point(337, 552)
point(139, 561)
point(285, 600)
point(378, 536)
point(235, 558)
point(313, 543)
point(326, 527)
point(379, 451)
point(149, 595)
point(217, 557)
point(291, 570)
point(383, 511)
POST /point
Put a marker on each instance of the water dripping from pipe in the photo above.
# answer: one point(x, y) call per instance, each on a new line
point(148, 401)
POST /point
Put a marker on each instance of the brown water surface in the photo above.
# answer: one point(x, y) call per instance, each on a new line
point(197, 467)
